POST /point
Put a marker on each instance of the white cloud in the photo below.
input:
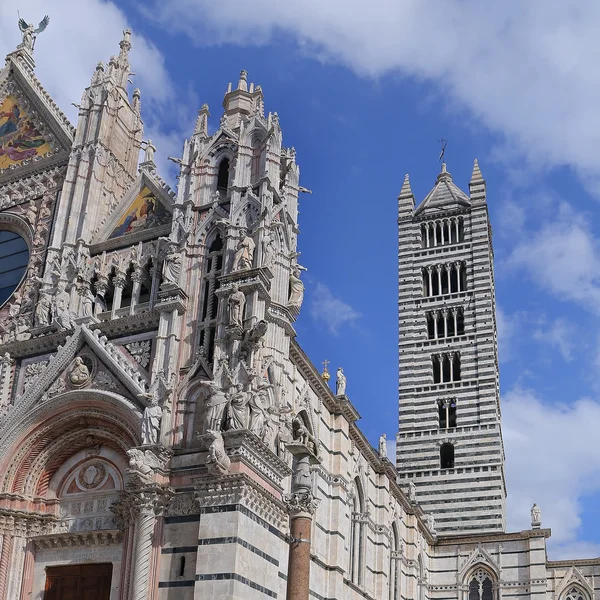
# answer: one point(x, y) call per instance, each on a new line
point(508, 328)
point(524, 69)
point(562, 257)
point(551, 460)
point(329, 311)
point(78, 36)
point(558, 334)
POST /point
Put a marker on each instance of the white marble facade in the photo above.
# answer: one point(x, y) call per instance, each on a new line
point(150, 380)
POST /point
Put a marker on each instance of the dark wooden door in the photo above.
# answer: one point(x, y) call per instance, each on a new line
point(78, 582)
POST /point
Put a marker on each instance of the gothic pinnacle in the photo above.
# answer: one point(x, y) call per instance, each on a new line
point(406, 189)
point(476, 176)
point(243, 82)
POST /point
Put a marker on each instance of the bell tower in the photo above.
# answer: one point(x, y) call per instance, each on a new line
point(450, 440)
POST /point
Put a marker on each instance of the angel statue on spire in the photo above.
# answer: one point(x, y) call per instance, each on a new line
point(29, 31)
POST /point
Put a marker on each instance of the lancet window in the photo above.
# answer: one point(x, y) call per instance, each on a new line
point(447, 413)
point(442, 232)
point(481, 586)
point(448, 322)
point(357, 534)
point(446, 367)
point(209, 302)
point(574, 593)
point(223, 176)
point(447, 456)
point(446, 278)
point(394, 578)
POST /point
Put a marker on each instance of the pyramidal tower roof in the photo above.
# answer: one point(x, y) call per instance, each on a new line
point(445, 195)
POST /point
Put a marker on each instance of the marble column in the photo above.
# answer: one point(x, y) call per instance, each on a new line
point(301, 506)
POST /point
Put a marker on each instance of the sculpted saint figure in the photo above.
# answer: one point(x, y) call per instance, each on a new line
point(171, 265)
point(60, 307)
point(42, 310)
point(296, 289)
point(244, 254)
point(215, 407)
point(238, 413)
point(259, 404)
point(151, 422)
point(340, 383)
point(87, 303)
point(383, 446)
point(235, 306)
point(80, 374)
point(536, 515)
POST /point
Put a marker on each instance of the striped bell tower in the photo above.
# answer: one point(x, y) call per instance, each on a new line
point(450, 438)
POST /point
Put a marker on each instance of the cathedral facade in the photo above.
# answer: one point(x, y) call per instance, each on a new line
point(162, 433)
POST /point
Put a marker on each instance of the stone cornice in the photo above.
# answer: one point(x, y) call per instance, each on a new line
point(106, 537)
point(492, 537)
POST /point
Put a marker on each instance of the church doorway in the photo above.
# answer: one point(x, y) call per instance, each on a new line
point(78, 582)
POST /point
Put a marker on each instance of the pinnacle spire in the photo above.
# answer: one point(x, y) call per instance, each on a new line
point(477, 184)
point(243, 82)
point(202, 121)
point(476, 176)
point(406, 189)
point(406, 199)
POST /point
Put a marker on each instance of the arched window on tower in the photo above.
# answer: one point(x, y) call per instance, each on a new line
point(223, 176)
point(481, 586)
point(447, 413)
point(209, 302)
point(447, 456)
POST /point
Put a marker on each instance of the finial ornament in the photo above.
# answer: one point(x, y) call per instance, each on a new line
point(243, 82)
point(444, 143)
point(29, 31)
point(325, 375)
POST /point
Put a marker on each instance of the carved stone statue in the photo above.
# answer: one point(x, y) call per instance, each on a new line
point(149, 151)
point(217, 461)
point(80, 374)
point(235, 307)
point(382, 446)
point(87, 303)
point(431, 523)
point(29, 31)
point(244, 254)
point(412, 492)
point(60, 307)
point(42, 310)
point(259, 404)
point(269, 248)
point(142, 464)
point(215, 407)
point(151, 422)
point(302, 434)
point(238, 412)
point(296, 289)
point(171, 265)
point(340, 382)
point(536, 516)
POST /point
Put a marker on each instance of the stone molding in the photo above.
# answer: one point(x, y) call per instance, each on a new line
point(238, 488)
point(84, 538)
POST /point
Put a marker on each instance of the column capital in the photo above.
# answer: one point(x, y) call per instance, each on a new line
point(151, 500)
point(301, 504)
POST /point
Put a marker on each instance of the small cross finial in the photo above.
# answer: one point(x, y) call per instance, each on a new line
point(443, 143)
point(325, 374)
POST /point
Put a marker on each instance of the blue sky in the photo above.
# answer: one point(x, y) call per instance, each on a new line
point(364, 92)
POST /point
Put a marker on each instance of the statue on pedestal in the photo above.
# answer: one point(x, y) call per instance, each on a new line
point(151, 423)
point(382, 446)
point(215, 407)
point(296, 289)
point(235, 307)
point(244, 254)
point(340, 383)
point(536, 516)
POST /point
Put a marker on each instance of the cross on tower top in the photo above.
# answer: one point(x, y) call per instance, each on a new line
point(325, 374)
